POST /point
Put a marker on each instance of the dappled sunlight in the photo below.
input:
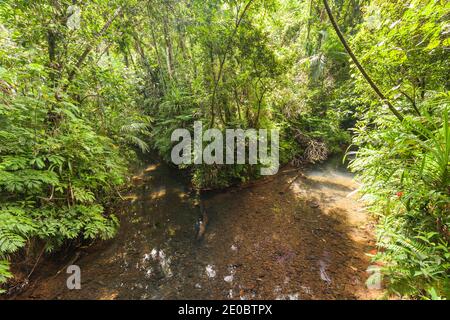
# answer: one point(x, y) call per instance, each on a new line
point(224, 149)
point(151, 168)
point(161, 193)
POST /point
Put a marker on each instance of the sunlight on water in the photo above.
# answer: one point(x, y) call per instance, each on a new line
point(211, 273)
point(151, 168)
point(161, 258)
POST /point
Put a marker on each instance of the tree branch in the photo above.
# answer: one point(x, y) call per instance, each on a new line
point(222, 62)
point(90, 46)
point(413, 102)
point(358, 65)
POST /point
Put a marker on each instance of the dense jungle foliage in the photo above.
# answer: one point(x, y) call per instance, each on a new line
point(87, 85)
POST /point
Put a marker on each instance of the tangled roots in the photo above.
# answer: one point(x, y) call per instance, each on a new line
point(316, 151)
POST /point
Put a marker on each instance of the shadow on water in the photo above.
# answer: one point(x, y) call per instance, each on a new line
point(305, 242)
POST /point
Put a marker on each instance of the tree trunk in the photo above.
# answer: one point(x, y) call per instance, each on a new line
point(359, 66)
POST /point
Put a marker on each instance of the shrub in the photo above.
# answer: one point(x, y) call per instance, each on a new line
point(405, 171)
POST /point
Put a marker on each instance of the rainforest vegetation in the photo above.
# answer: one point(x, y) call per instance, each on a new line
point(88, 86)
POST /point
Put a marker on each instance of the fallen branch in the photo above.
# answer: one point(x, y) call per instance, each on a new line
point(75, 258)
point(36, 263)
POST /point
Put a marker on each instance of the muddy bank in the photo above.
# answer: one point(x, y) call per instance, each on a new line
point(293, 237)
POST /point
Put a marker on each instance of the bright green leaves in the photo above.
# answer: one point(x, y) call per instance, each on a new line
point(405, 177)
point(83, 195)
point(86, 221)
point(5, 274)
point(64, 143)
point(26, 180)
point(15, 228)
point(408, 49)
point(405, 167)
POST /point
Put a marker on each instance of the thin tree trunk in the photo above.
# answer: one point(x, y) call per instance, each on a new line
point(222, 62)
point(89, 47)
point(169, 49)
point(308, 33)
point(358, 65)
point(160, 68)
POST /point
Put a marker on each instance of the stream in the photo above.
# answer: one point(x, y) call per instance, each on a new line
point(291, 236)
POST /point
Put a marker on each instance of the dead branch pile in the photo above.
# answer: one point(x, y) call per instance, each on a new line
point(315, 150)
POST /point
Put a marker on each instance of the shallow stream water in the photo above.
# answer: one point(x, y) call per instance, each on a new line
point(292, 236)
